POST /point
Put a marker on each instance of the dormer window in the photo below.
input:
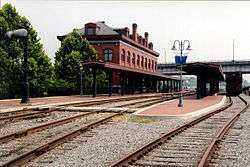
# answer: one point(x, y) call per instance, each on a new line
point(90, 31)
point(108, 53)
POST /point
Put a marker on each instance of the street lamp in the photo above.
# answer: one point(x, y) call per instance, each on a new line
point(181, 48)
point(81, 68)
point(22, 34)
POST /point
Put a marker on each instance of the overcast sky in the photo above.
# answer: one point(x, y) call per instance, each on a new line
point(210, 26)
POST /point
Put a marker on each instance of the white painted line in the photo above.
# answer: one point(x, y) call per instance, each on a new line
point(190, 114)
point(207, 109)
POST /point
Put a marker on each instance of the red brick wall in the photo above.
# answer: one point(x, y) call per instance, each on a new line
point(100, 48)
point(117, 57)
point(137, 52)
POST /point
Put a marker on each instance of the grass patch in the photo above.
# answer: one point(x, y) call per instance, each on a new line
point(133, 118)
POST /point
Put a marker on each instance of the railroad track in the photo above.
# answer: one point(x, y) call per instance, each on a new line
point(24, 145)
point(43, 112)
point(24, 114)
point(17, 150)
point(211, 157)
point(36, 113)
point(19, 147)
point(68, 119)
point(8, 130)
point(189, 145)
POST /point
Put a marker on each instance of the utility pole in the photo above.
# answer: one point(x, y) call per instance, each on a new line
point(165, 53)
point(233, 50)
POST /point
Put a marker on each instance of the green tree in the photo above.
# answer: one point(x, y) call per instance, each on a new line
point(40, 66)
point(74, 49)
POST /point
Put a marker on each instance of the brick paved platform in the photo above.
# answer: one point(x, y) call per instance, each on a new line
point(191, 107)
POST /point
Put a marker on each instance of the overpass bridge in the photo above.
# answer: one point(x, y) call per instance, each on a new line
point(238, 66)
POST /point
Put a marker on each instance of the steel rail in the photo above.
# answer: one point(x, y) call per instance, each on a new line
point(26, 115)
point(103, 101)
point(128, 159)
point(16, 114)
point(8, 113)
point(219, 135)
point(54, 143)
point(51, 124)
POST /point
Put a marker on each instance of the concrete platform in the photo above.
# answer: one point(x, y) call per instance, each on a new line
point(191, 107)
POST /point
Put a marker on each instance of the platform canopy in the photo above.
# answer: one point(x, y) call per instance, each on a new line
point(208, 70)
point(206, 73)
point(116, 67)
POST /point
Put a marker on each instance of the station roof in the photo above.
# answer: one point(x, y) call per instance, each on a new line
point(209, 70)
point(116, 67)
point(107, 33)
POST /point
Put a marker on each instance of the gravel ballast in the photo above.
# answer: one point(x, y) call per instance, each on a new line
point(234, 150)
point(106, 143)
point(17, 125)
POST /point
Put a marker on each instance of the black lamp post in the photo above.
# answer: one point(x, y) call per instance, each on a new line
point(181, 48)
point(22, 34)
point(81, 68)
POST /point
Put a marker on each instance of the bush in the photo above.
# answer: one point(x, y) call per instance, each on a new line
point(61, 87)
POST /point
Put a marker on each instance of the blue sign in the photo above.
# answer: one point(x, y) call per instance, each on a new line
point(180, 59)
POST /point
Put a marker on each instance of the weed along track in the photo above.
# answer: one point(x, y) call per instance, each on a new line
point(185, 145)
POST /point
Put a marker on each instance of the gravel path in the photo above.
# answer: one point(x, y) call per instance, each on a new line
point(234, 149)
point(110, 142)
point(11, 127)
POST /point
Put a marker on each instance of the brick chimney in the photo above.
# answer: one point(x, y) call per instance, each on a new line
point(140, 40)
point(150, 45)
point(146, 38)
point(134, 33)
point(126, 31)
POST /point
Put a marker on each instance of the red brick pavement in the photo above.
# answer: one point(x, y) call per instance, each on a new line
point(190, 104)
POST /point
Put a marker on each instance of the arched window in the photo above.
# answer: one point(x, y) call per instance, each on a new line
point(123, 55)
point(149, 64)
point(142, 63)
point(152, 65)
point(155, 65)
point(133, 59)
point(146, 63)
point(108, 53)
point(128, 57)
point(138, 60)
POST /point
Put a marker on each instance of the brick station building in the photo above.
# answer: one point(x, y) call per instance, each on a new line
point(127, 57)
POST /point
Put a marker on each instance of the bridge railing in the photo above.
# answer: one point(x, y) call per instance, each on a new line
point(214, 61)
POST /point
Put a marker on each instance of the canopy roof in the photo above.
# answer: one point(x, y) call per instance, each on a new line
point(210, 71)
point(116, 67)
